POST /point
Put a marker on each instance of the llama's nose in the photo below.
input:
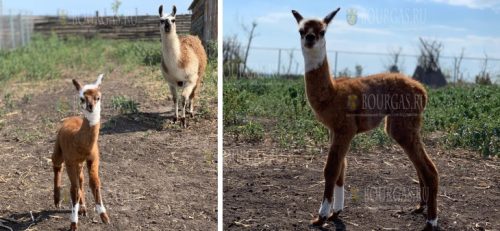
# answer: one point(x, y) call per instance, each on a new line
point(90, 108)
point(310, 37)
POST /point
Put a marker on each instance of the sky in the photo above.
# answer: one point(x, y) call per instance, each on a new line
point(89, 7)
point(382, 26)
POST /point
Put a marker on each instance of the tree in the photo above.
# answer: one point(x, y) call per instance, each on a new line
point(251, 35)
point(231, 56)
point(428, 70)
point(359, 70)
point(457, 61)
point(345, 73)
point(115, 6)
point(394, 59)
point(483, 77)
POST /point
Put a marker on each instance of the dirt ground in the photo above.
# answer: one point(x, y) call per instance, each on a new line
point(266, 188)
point(155, 175)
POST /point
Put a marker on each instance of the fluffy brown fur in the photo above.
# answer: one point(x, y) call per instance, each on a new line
point(76, 143)
point(343, 106)
point(190, 42)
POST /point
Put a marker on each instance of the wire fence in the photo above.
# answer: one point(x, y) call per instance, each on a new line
point(16, 29)
point(289, 61)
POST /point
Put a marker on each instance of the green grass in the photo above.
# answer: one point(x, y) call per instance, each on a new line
point(466, 115)
point(48, 57)
point(124, 105)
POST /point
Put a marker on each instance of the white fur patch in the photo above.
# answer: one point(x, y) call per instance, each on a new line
point(74, 213)
point(313, 57)
point(338, 194)
point(324, 210)
point(95, 116)
point(100, 208)
point(434, 222)
point(94, 85)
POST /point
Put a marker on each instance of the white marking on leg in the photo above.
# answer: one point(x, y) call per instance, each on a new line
point(100, 208)
point(433, 222)
point(74, 213)
point(324, 210)
point(338, 195)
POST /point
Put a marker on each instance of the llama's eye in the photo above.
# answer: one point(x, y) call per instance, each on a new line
point(82, 100)
point(98, 98)
point(302, 33)
point(162, 21)
point(173, 20)
point(322, 33)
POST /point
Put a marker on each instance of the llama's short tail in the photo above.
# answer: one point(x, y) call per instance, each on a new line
point(57, 161)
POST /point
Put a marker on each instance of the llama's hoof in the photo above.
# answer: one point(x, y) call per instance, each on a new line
point(191, 114)
point(429, 227)
point(319, 221)
point(73, 226)
point(82, 211)
point(57, 204)
point(105, 218)
point(174, 120)
point(334, 216)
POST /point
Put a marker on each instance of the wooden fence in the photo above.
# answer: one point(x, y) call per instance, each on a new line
point(109, 27)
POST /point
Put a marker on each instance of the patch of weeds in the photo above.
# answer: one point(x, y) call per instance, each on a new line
point(62, 106)
point(25, 135)
point(9, 101)
point(124, 105)
point(209, 156)
point(27, 98)
point(110, 124)
point(251, 132)
point(203, 109)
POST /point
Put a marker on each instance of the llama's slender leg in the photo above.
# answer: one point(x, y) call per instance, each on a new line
point(406, 131)
point(191, 100)
point(83, 208)
point(73, 175)
point(173, 91)
point(423, 197)
point(332, 171)
point(186, 92)
point(95, 186)
point(57, 161)
point(338, 193)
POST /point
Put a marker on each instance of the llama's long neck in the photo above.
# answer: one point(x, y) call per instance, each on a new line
point(89, 132)
point(318, 80)
point(171, 47)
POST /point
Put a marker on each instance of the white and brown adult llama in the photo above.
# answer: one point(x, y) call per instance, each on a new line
point(183, 64)
point(351, 106)
point(76, 143)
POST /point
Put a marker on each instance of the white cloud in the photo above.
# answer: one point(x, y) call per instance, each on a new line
point(474, 4)
point(275, 17)
point(341, 26)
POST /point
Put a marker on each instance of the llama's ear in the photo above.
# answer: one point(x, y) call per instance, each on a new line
point(297, 16)
point(160, 10)
point(99, 80)
point(174, 10)
point(77, 85)
point(330, 16)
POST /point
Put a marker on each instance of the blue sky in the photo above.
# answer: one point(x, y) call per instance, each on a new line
point(88, 7)
point(382, 26)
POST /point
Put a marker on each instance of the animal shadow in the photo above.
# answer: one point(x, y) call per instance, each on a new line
point(335, 225)
point(135, 122)
point(25, 220)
